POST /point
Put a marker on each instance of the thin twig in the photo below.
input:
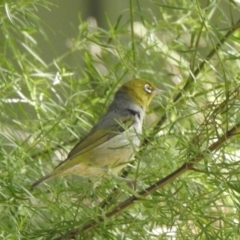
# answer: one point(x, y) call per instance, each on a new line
point(185, 166)
point(189, 165)
point(132, 33)
point(190, 79)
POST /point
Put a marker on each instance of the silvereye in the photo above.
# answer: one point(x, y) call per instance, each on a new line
point(112, 142)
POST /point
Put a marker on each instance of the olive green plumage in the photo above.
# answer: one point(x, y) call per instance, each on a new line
point(112, 142)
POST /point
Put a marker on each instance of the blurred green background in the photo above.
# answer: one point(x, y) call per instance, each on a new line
point(60, 64)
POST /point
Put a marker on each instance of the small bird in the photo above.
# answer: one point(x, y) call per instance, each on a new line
point(112, 142)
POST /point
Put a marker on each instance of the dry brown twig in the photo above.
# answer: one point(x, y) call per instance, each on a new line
point(189, 165)
point(159, 184)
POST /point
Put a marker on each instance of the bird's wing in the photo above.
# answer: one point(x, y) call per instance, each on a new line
point(99, 136)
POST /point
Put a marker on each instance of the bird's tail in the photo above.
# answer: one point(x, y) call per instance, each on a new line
point(41, 180)
point(47, 177)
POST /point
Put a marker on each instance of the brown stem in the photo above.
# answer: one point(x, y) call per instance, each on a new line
point(186, 166)
point(195, 74)
point(159, 184)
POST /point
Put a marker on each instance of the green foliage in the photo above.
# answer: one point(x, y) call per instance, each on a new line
point(188, 48)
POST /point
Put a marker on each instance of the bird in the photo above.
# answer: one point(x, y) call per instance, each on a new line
point(113, 141)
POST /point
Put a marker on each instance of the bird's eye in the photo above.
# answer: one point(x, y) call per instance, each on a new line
point(148, 88)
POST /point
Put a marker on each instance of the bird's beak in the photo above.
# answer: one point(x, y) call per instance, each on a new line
point(158, 91)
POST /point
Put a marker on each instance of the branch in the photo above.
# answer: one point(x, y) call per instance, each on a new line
point(235, 27)
point(157, 185)
point(186, 166)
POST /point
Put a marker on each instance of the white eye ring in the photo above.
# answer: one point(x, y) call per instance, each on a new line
point(148, 88)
